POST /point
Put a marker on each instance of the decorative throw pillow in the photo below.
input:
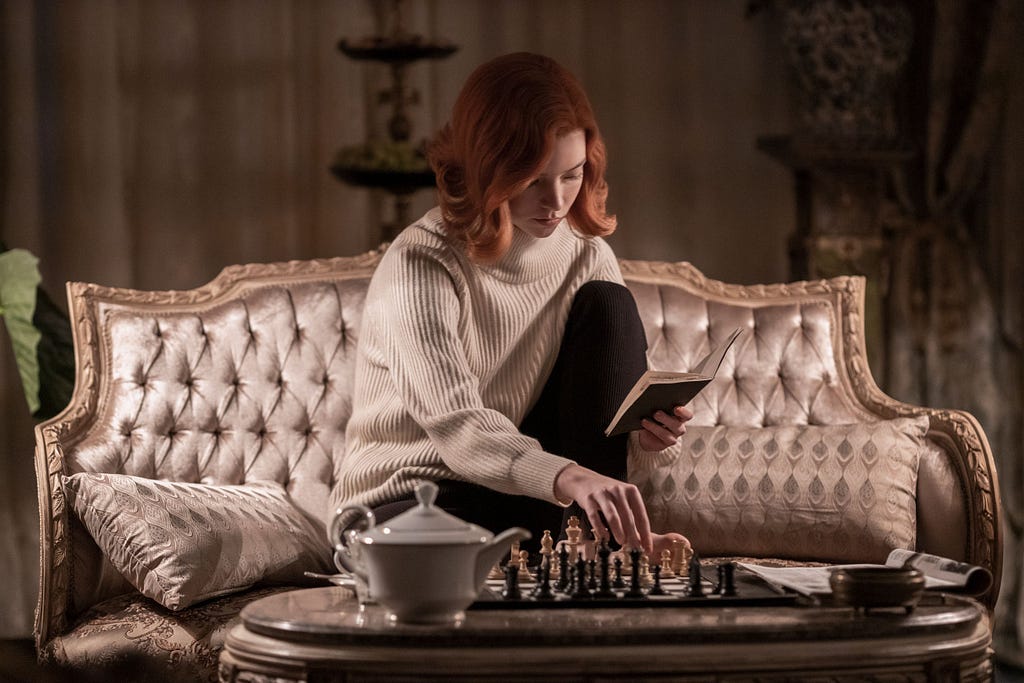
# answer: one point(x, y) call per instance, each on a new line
point(835, 493)
point(181, 543)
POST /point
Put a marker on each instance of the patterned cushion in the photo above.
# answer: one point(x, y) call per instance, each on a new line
point(130, 638)
point(180, 543)
point(837, 493)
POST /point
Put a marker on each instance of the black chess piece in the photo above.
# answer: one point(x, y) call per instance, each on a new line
point(592, 575)
point(728, 579)
point(635, 588)
point(542, 589)
point(696, 588)
point(604, 589)
point(511, 589)
point(563, 569)
point(617, 582)
point(579, 586)
point(656, 589)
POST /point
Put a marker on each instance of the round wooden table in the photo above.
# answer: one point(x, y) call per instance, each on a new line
point(323, 634)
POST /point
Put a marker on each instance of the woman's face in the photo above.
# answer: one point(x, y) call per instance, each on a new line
point(539, 209)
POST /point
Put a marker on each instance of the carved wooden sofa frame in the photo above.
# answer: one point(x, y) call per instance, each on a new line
point(965, 526)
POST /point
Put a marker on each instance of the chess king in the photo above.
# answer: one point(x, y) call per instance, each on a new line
point(498, 338)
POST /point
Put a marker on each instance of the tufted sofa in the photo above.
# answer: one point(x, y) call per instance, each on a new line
point(245, 383)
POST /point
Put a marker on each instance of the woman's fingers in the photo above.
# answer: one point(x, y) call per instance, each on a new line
point(618, 502)
point(622, 507)
point(663, 437)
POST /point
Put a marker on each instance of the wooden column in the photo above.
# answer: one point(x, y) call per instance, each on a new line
point(840, 227)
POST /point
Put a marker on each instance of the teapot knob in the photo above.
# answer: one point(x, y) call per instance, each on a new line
point(426, 493)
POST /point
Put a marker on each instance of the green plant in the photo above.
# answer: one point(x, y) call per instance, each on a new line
point(40, 334)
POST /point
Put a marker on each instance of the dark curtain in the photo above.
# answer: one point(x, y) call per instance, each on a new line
point(953, 341)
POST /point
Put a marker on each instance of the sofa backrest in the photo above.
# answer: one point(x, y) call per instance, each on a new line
point(248, 379)
point(803, 361)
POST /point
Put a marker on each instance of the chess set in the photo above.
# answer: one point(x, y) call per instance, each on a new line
point(589, 574)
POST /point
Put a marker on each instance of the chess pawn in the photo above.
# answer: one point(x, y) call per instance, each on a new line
point(656, 589)
point(511, 588)
point(693, 578)
point(666, 563)
point(563, 568)
point(542, 589)
point(645, 571)
point(635, 588)
point(524, 569)
point(623, 560)
point(617, 581)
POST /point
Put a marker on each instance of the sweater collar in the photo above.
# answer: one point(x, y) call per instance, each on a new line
point(531, 258)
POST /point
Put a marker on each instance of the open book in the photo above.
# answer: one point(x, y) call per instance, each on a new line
point(659, 390)
point(940, 573)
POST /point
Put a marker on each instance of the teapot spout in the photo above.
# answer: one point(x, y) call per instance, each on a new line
point(493, 551)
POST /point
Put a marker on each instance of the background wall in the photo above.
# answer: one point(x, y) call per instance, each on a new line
point(149, 143)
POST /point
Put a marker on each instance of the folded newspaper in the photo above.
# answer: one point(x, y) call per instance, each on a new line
point(940, 573)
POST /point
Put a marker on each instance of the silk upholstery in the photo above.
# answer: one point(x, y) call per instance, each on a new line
point(180, 544)
point(835, 493)
point(248, 379)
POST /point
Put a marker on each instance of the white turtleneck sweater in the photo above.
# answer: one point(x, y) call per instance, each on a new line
point(453, 354)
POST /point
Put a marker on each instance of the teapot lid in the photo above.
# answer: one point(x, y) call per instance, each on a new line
point(426, 524)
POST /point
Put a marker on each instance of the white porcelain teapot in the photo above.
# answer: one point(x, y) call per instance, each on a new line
point(425, 565)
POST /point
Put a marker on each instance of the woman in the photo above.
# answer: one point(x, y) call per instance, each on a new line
point(498, 338)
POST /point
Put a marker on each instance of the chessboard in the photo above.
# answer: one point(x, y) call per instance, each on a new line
point(565, 577)
point(748, 590)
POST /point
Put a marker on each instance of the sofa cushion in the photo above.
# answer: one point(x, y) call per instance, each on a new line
point(837, 493)
point(132, 638)
point(181, 543)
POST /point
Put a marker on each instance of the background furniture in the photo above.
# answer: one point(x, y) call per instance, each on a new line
point(397, 165)
point(247, 380)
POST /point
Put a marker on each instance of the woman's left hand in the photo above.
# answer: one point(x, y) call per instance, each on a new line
point(665, 429)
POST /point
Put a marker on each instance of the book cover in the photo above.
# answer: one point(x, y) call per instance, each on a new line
point(661, 390)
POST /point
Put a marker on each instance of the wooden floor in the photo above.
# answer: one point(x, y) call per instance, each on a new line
point(18, 664)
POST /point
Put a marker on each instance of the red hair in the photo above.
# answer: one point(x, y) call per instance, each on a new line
point(503, 127)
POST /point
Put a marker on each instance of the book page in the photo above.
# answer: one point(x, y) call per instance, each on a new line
point(939, 572)
point(943, 571)
point(710, 363)
point(657, 377)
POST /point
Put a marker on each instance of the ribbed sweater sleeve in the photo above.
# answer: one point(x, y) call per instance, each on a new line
point(434, 381)
point(451, 357)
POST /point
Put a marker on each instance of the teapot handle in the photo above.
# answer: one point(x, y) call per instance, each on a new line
point(342, 536)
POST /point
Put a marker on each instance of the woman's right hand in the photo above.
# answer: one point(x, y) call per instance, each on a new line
point(619, 502)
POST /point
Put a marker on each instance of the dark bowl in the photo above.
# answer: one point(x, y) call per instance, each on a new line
point(874, 587)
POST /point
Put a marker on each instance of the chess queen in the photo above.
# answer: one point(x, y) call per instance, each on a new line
point(498, 338)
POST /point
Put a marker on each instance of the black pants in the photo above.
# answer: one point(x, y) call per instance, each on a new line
point(601, 356)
